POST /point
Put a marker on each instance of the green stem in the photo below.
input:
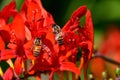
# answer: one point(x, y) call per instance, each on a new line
point(67, 75)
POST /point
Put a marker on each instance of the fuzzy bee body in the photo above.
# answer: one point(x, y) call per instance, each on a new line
point(36, 50)
point(37, 46)
point(58, 33)
point(59, 38)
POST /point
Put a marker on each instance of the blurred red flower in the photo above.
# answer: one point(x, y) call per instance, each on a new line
point(110, 49)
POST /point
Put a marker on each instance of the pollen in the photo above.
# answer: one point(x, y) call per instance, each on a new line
point(1, 72)
point(33, 62)
point(9, 61)
point(23, 66)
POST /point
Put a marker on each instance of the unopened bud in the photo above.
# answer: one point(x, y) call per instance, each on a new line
point(117, 71)
point(104, 75)
point(91, 77)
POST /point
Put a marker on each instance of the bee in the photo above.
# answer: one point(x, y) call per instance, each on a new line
point(37, 46)
point(58, 33)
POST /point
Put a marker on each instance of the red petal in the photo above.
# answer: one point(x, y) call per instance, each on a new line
point(5, 35)
point(74, 20)
point(36, 11)
point(7, 54)
point(18, 27)
point(28, 44)
point(29, 55)
point(68, 66)
point(28, 49)
point(89, 26)
point(41, 64)
point(8, 11)
point(79, 12)
point(50, 36)
point(24, 7)
point(5, 27)
point(18, 65)
point(12, 46)
point(48, 20)
point(2, 22)
point(2, 44)
point(28, 34)
point(5, 32)
point(89, 32)
point(33, 12)
point(87, 36)
point(49, 45)
point(47, 16)
point(8, 75)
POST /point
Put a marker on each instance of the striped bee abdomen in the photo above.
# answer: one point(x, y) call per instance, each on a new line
point(37, 46)
point(59, 39)
point(36, 50)
point(58, 33)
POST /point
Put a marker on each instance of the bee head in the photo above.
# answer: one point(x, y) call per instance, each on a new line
point(37, 41)
point(56, 29)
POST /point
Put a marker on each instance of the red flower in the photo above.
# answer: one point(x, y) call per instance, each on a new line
point(111, 42)
point(71, 28)
point(34, 22)
point(49, 61)
point(18, 48)
point(73, 23)
point(86, 34)
point(68, 30)
point(37, 18)
point(8, 11)
point(40, 22)
point(84, 37)
point(52, 64)
point(108, 49)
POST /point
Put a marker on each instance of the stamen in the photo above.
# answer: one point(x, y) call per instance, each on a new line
point(9, 61)
point(13, 38)
point(1, 72)
point(34, 14)
point(33, 62)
